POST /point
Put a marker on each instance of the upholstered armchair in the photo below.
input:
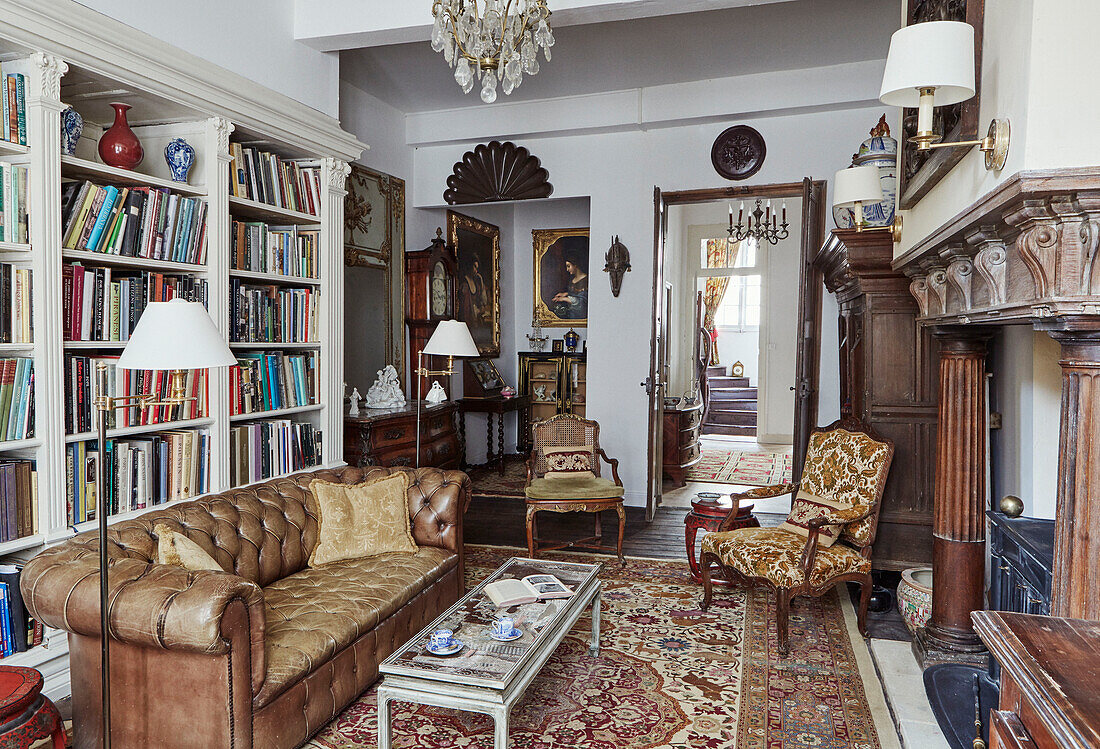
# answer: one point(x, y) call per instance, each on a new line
point(563, 475)
point(827, 537)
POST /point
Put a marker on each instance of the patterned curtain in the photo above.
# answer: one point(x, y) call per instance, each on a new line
point(720, 254)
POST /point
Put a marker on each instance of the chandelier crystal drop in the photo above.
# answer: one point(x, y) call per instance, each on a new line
point(495, 42)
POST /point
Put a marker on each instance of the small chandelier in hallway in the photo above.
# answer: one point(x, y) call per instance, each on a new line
point(763, 224)
point(497, 45)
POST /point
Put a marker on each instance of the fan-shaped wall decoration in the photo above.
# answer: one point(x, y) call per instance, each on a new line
point(497, 171)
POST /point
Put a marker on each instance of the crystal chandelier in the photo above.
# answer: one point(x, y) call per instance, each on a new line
point(763, 224)
point(497, 45)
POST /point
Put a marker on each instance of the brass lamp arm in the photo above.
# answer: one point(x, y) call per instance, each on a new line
point(423, 371)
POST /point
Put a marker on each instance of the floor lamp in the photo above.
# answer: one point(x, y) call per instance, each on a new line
point(451, 338)
point(171, 336)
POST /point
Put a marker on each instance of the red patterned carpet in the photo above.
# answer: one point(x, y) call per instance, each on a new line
point(668, 675)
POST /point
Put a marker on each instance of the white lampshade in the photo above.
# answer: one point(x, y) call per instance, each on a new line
point(936, 54)
point(175, 335)
point(857, 184)
point(451, 338)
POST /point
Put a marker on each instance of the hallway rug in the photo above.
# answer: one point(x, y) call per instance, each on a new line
point(668, 675)
point(486, 481)
point(740, 467)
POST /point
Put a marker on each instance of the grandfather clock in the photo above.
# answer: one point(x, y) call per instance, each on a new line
point(430, 297)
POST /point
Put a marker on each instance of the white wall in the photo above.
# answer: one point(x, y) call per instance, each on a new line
point(254, 38)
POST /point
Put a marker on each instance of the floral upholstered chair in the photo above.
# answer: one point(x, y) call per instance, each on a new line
point(563, 475)
point(827, 537)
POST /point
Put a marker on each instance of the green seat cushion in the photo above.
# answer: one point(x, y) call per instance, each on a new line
point(582, 487)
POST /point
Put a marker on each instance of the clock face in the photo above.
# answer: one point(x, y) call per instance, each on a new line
point(439, 294)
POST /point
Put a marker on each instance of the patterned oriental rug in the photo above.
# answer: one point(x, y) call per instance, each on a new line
point(487, 482)
point(739, 467)
point(668, 675)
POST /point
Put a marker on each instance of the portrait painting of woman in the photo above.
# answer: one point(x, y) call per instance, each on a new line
point(477, 249)
point(561, 276)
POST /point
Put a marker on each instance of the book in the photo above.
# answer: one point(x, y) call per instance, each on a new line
point(14, 219)
point(513, 592)
point(16, 611)
point(268, 178)
point(272, 314)
point(282, 250)
point(273, 447)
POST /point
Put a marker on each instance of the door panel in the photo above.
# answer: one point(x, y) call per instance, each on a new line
point(654, 383)
point(808, 355)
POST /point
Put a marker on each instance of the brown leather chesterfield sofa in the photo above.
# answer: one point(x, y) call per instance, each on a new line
point(263, 657)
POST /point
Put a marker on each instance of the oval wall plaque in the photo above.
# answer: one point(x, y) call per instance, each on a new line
point(738, 153)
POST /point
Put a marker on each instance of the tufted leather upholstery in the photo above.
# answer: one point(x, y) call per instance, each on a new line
point(274, 625)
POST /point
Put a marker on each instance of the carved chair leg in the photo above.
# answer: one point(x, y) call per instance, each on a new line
point(782, 615)
point(708, 587)
point(864, 602)
point(622, 528)
point(531, 531)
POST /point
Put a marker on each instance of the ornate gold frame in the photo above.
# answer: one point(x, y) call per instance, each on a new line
point(456, 221)
point(543, 239)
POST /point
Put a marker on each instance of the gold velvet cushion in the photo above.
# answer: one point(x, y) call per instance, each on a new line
point(776, 556)
point(846, 467)
point(178, 550)
point(362, 520)
point(807, 507)
point(578, 486)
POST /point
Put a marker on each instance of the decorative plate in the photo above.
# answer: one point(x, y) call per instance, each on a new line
point(458, 645)
point(516, 634)
point(738, 153)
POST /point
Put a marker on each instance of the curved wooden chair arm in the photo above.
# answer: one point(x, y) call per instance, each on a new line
point(728, 521)
point(809, 554)
point(766, 492)
point(530, 468)
point(614, 463)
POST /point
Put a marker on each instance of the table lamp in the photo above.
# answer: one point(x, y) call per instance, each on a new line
point(172, 336)
point(451, 338)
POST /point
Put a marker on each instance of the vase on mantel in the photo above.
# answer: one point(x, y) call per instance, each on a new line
point(119, 147)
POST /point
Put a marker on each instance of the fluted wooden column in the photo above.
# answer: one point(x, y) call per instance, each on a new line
point(958, 530)
point(1076, 588)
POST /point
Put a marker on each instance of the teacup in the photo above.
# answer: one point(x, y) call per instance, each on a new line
point(441, 639)
point(503, 627)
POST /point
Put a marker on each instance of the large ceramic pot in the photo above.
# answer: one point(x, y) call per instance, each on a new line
point(882, 151)
point(119, 146)
point(915, 597)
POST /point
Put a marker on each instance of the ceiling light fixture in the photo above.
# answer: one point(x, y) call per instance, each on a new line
point(497, 43)
point(763, 225)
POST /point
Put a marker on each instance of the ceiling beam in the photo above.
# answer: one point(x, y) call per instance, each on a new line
point(353, 24)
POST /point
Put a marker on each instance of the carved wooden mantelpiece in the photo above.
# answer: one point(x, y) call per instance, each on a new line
point(1023, 253)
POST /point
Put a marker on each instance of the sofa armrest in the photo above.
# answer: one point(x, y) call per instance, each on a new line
point(151, 605)
point(438, 500)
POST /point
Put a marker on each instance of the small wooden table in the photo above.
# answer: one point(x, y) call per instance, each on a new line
point(26, 715)
point(708, 514)
point(498, 405)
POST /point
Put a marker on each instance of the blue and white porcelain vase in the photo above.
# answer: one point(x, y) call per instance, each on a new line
point(180, 157)
point(72, 125)
point(882, 151)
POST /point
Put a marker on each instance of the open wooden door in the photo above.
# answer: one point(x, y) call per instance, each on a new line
point(654, 384)
point(808, 354)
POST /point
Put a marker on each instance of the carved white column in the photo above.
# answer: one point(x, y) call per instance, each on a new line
point(334, 174)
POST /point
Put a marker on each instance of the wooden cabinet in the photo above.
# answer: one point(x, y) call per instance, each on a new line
point(387, 437)
point(555, 383)
point(682, 450)
point(888, 380)
point(1021, 563)
point(429, 298)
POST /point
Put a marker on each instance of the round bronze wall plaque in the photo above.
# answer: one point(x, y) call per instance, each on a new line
point(738, 153)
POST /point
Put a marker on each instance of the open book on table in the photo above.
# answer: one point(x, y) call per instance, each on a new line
point(512, 592)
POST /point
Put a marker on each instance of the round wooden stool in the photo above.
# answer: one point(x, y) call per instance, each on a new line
point(708, 514)
point(26, 715)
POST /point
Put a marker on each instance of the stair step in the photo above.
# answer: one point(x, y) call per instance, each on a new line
point(730, 382)
point(733, 394)
point(718, 371)
point(734, 407)
point(732, 418)
point(729, 431)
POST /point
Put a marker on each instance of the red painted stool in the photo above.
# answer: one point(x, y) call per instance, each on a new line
point(26, 715)
point(707, 514)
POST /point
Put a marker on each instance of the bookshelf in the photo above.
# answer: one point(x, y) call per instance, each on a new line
point(173, 94)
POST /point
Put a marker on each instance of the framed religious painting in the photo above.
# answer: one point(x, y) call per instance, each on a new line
point(477, 293)
point(561, 277)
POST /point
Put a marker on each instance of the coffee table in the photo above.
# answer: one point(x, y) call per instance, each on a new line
point(488, 676)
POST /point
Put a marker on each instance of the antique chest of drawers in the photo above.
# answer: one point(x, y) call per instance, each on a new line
point(387, 437)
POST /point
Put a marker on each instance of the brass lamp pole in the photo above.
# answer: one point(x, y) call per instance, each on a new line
point(451, 338)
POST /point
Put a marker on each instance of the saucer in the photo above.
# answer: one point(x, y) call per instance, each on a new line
point(515, 635)
point(455, 647)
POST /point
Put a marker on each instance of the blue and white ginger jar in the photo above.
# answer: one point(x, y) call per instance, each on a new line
point(882, 151)
point(180, 157)
point(72, 125)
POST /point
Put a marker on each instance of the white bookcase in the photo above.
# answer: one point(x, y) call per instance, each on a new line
point(73, 56)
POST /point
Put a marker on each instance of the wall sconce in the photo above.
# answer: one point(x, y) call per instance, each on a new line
point(857, 185)
point(931, 65)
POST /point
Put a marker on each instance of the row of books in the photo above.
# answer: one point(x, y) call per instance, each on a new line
point(147, 222)
point(18, 631)
point(269, 448)
point(14, 216)
point(18, 499)
point(263, 248)
point(13, 127)
point(271, 314)
point(16, 398)
point(264, 177)
point(138, 472)
point(81, 390)
point(103, 304)
point(270, 380)
point(16, 324)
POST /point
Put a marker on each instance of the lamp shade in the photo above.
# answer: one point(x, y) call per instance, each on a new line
point(857, 184)
point(936, 54)
point(451, 338)
point(175, 335)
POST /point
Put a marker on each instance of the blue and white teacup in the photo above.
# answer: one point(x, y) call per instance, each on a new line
point(441, 639)
point(503, 627)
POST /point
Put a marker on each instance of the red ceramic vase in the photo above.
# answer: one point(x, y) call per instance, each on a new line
point(119, 146)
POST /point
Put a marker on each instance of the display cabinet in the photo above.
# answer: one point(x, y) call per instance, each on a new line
point(555, 383)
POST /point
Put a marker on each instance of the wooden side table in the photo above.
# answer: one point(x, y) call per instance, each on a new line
point(708, 514)
point(498, 406)
point(26, 715)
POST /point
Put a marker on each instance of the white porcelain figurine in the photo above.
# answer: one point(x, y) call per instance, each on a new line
point(354, 399)
point(436, 395)
point(386, 390)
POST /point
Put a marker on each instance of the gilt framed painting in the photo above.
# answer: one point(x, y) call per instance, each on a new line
point(561, 277)
point(477, 250)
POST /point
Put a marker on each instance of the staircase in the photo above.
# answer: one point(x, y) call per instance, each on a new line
point(732, 405)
